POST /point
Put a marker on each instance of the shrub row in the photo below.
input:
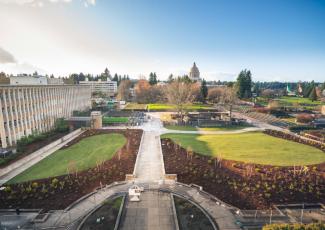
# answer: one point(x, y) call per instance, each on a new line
point(313, 226)
point(288, 136)
point(299, 128)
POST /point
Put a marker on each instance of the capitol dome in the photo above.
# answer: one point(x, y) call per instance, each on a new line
point(194, 74)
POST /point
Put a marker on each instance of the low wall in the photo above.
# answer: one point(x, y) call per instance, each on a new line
point(297, 138)
point(39, 152)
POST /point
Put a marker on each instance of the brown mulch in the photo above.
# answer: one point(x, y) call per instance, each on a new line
point(246, 186)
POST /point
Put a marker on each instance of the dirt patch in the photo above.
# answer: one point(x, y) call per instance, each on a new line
point(59, 192)
point(246, 186)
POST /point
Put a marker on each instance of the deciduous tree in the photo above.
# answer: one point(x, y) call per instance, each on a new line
point(179, 93)
point(124, 93)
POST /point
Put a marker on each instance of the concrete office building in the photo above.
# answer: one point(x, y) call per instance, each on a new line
point(35, 80)
point(108, 87)
point(35, 108)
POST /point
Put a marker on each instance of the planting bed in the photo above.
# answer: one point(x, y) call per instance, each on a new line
point(59, 192)
point(190, 217)
point(105, 217)
point(246, 186)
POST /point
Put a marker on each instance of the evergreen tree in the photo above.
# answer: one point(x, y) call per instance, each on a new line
point(244, 84)
point(308, 89)
point(204, 90)
point(152, 79)
point(170, 78)
point(106, 75)
point(313, 94)
point(155, 78)
point(115, 78)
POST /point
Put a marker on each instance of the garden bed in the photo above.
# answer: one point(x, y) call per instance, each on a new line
point(246, 186)
point(190, 217)
point(59, 192)
point(105, 217)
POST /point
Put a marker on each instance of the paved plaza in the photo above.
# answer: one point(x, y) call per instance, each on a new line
point(154, 211)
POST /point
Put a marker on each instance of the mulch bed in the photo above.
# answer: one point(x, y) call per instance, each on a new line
point(246, 186)
point(59, 192)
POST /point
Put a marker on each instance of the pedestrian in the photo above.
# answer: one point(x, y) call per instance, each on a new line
point(17, 211)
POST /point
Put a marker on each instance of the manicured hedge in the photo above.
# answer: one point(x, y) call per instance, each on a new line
point(110, 120)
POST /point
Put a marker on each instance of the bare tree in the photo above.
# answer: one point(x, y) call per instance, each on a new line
point(179, 94)
point(229, 98)
point(215, 94)
point(150, 94)
point(124, 93)
point(268, 93)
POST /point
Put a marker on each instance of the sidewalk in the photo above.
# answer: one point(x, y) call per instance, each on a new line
point(21, 165)
point(149, 167)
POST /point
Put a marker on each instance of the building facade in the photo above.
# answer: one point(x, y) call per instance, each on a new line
point(35, 108)
point(108, 87)
point(35, 80)
point(28, 80)
point(194, 73)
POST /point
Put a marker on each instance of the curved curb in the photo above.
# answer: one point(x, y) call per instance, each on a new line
point(85, 217)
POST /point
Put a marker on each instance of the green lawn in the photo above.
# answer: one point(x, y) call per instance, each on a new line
point(225, 128)
point(83, 155)
point(135, 106)
point(191, 128)
point(299, 100)
point(292, 101)
point(252, 147)
point(168, 107)
point(181, 128)
point(110, 120)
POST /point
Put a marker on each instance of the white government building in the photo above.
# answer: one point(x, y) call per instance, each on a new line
point(108, 87)
point(34, 108)
point(194, 73)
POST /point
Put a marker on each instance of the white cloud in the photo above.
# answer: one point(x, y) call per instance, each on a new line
point(20, 68)
point(40, 3)
point(6, 57)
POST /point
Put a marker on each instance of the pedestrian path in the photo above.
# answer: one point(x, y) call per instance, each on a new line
point(153, 212)
point(149, 166)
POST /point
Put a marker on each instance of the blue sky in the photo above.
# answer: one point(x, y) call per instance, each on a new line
point(276, 40)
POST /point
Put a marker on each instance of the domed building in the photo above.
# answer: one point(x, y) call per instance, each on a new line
point(194, 74)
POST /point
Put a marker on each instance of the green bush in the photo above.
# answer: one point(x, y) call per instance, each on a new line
point(313, 226)
point(61, 125)
point(299, 128)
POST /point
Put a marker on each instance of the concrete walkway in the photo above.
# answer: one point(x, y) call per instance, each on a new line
point(149, 166)
point(245, 130)
point(12, 170)
point(153, 212)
